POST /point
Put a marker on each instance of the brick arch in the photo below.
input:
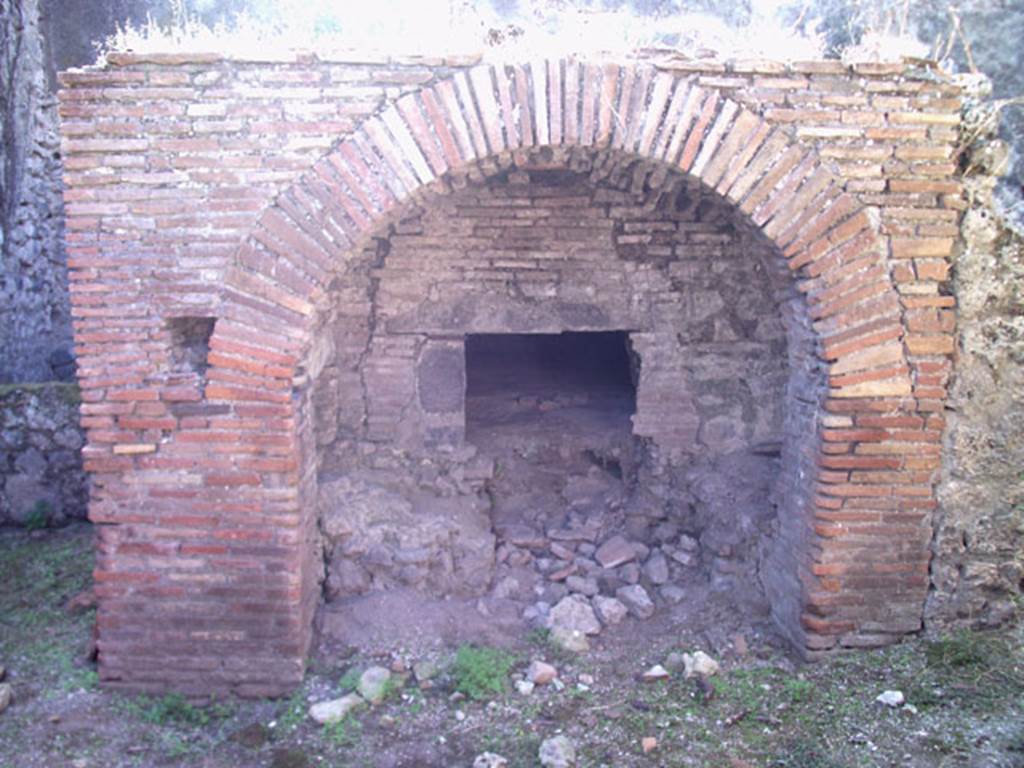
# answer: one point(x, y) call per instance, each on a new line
point(829, 240)
point(855, 559)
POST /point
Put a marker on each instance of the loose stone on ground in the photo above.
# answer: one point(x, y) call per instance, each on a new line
point(490, 760)
point(558, 752)
point(615, 552)
point(574, 614)
point(570, 640)
point(636, 599)
point(699, 664)
point(657, 672)
point(891, 699)
point(609, 610)
point(373, 684)
point(541, 673)
point(326, 712)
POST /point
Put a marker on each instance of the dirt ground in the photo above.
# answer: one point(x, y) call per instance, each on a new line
point(965, 693)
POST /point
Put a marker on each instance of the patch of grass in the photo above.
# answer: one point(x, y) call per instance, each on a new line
point(38, 637)
point(972, 670)
point(172, 709)
point(39, 516)
point(1015, 744)
point(392, 687)
point(962, 651)
point(481, 672)
point(44, 571)
point(798, 690)
point(539, 636)
point(56, 657)
point(951, 742)
point(349, 681)
point(752, 689)
point(804, 753)
point(416, 701)
point(517, 746)
point(344, 733)
point(294, 713)
point(175, 745)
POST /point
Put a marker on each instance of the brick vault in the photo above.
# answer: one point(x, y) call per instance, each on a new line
point(222, 217)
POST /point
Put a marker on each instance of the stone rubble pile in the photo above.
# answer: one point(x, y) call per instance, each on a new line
point(588, 534)
point(585, 576)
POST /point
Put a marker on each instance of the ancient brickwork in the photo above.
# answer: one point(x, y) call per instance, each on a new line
point(240, 191)
point(575, 241)
point(572, 250)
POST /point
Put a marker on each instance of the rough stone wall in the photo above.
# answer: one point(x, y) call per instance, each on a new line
point(35, 322)
point(173, 161)
point(41, 476)
point(978, 569)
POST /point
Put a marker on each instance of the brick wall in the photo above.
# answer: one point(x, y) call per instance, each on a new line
point(240, 191)
point(605, 246)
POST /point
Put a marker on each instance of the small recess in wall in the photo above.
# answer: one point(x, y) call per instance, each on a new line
point(190, 343)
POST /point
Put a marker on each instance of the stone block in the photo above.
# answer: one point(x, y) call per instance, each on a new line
point(441, 378)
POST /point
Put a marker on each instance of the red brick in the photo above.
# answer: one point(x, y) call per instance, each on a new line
point(824, 627)
point(919, 344)
point(932, 269)
point(861, 462)
point(138, 192)
point(853, 435)
point(922, 246)
point(693, 142)
point(146, 423)
point(180, 394)
point(242, 394)
point(920, 185)
point(890, 422)
point(853, 489)
point(136, 395)
point(232, 479)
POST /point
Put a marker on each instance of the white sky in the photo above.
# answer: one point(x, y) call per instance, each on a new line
point(461, 26)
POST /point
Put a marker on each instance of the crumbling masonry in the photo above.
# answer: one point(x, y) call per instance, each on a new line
point(275, 265)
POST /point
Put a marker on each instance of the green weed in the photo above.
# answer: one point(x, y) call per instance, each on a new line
point(294, 713)
point(481, 672)
point(798, 690)
point(963, 651)
point(539, 636)
point(803, 753)
point(349, 681)
point(171, 709)
point(175, 745)
point(344, 733)
point(39, 516)
point(392, 688)
point(416, 701)
point(76, 677)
